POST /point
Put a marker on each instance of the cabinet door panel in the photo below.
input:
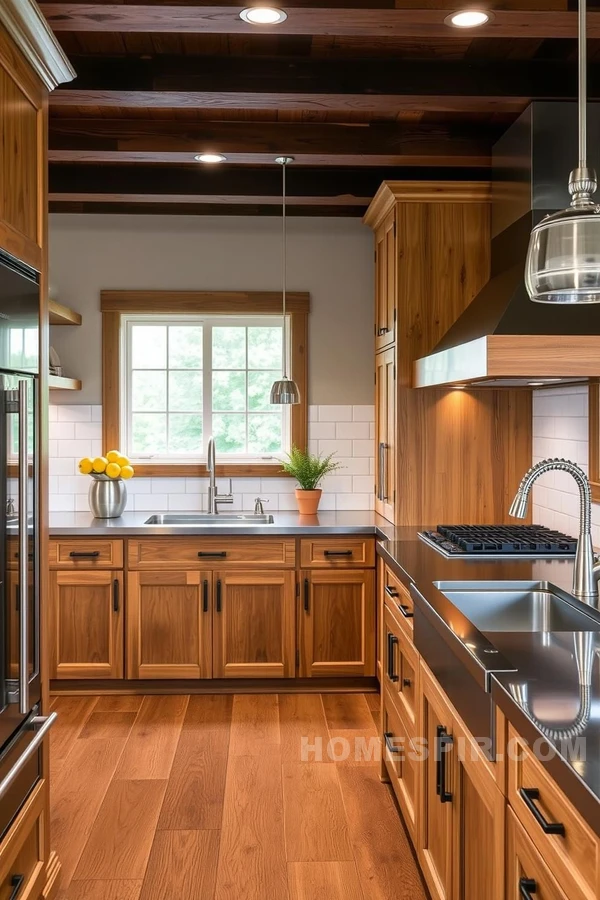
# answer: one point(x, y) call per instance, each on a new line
point(385, 433)
point(337, 623)
point(525, 867)
point(385, 282)
point(254, 616)
point(404, 762)
point(169, 625)
point(87, 624)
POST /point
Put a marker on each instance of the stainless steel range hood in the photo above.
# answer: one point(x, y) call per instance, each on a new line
point(502, 338)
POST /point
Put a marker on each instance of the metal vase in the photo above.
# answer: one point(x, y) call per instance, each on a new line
point(107, 497)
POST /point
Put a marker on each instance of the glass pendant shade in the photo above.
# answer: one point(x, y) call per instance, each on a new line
point(285, 392)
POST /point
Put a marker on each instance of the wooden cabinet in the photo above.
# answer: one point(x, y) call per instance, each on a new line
point(385, 282)
point(337, 623)
point(400, 669)
point(398, 599)
point(24, 850)
point(254, 633)
point(169, 616)
point(404, 759)
point(209, 552)
point(86, 620)
point(334, 552)
point(86, 553)
point(527, 875)
point(385, 433)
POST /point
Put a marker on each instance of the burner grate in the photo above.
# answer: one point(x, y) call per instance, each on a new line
point(526, 539)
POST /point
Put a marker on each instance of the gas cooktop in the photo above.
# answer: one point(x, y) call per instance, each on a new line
point(519, 541)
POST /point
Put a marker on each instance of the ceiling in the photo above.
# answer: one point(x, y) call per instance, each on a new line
point(358, 91)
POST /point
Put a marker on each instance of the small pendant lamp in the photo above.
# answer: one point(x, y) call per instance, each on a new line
point(285, 390)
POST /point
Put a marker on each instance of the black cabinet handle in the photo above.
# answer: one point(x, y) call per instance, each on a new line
point(391, 591)
point(306, 595)
point(387, 736)
point(527, 888)
point(382, 331)
point(406, 682)
point(405, 610)
point(443, 739)
point(116, 595)
point(529, 796)
point(391, 641)
point(16, 883)
point(205, 595)
point(84, 554)
point(219, 595)
point(337, 553)
point(210, 554)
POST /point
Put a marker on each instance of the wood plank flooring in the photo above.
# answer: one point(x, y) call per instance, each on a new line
point(245, 797)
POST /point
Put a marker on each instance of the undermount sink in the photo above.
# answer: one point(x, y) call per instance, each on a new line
point(532, 607)
point(207, 519)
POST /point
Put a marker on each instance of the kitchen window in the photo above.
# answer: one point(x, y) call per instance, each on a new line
point(172, 378)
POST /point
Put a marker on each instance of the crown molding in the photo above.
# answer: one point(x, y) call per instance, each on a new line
point(30, 32)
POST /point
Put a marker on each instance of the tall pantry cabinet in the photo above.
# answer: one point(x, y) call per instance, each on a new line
point(439, 451)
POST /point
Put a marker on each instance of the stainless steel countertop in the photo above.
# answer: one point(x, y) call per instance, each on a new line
point(542, 692)
point(132, 523)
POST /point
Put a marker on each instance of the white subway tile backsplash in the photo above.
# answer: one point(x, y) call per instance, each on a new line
point(58, 466)
point(168, 485)
point(73, 484)
point(90, 430)
point(362, 448)
point(62, 502)
point(75, 449)
point(354, 501)
point(74, 414)
point(323, 430)
point(359, 430)
point(363, 413)
point(61, 431)
point(335, 413)
point(151, 502)
point(341, 448)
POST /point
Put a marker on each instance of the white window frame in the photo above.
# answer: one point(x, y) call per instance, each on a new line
point(207, 322)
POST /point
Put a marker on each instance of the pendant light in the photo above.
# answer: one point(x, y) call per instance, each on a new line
point(563, 260)
point(284, 391)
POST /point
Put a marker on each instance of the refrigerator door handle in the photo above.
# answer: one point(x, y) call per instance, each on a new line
point(24, 706)
point(45, 723)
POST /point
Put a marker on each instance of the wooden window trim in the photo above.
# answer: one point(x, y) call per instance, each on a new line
point(115, 304)
point(594, 440)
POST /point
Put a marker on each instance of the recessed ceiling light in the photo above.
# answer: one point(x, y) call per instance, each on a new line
point(263, 15)
point(458, 387)
point(210, 157)
point(536, 383)
point(468, 18)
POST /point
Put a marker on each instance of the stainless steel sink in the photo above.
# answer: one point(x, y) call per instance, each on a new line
point(206, 519)
point(533, 607)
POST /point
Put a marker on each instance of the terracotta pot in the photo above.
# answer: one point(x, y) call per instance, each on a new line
point(308, 501)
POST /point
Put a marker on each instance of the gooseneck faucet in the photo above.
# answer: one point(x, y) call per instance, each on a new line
point(214, 498)
point(586, 573)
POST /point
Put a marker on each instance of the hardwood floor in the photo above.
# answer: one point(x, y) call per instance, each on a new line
point(245, 797)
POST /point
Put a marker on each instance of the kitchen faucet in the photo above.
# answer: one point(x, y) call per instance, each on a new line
point(586, 572)
point(215, 498)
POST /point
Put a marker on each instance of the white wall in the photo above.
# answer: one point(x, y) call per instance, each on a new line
point(561, 429)
point(331, 258)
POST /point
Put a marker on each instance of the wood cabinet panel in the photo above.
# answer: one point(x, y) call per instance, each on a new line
point(86, 553)
point(337, 552)
point(574, 856)
point(24, 850)
point(210, 552)
point(254, 624)
point(169, 625)
point(403, 759)
point(337, 623)
point(86, 617)
point(385, 434)
point(385, 282)
point(525, 868)
point(400, 669)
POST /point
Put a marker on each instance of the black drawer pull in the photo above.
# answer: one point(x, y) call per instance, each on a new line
point(391, 591)
point(219, 595)
point(443, 740)
point(210, 554)
point(391, 641)
point(405, 610)
point(337, 553)
point(387, 736)
point(382, 331)
point(406, 682)
point(16, 883)
point(84, 554)
point(306, 595)
point(529, 796)
point(116, 587)
point(527, 888)
point(205, 595)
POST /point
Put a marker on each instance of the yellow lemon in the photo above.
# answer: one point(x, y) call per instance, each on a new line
point(85, 465)
point(113, 456)
point(113, 470)
point(100, 464)
point(127, 472)
point(122, 461)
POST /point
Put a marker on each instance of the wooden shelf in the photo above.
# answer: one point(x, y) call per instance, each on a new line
point(60, 383)
point(62, 315)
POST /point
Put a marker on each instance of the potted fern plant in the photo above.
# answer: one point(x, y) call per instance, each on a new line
point(308, 470)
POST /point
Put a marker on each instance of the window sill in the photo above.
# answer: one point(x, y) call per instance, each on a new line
point(199, 470)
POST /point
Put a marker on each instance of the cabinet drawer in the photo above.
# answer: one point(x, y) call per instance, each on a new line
point(89, 553)
point(400, 668)
point(397, 598)
point(343, 553)
point(211, 553)
point(23, 851)
point(572, 856)
point(402, 761)
point(526, 871)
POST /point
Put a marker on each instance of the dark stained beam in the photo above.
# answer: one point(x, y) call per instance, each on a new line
point(251, 143)
point(410, 23)
point(196, 209)
point(203, 199)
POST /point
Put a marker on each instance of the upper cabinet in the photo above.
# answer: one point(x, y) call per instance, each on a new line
point(385, 281)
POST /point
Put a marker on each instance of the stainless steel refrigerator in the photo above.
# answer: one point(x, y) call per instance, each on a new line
point(22, 729)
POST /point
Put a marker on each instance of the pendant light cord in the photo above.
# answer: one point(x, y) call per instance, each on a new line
point(284, 263)
point(582, 47)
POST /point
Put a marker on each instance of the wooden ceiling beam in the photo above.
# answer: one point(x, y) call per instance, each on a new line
point(409, 23)
point(201, 199)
